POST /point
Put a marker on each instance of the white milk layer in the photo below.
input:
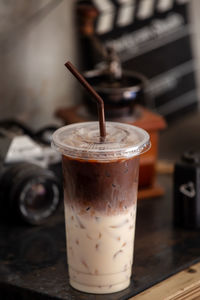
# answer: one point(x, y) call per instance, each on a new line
point(100, 250)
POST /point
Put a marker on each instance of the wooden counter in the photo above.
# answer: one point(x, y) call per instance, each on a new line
point(33, 259)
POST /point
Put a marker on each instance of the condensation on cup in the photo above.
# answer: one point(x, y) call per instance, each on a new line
point(100, 199)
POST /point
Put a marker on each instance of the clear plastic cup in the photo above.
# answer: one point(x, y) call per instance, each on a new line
point(100, 198)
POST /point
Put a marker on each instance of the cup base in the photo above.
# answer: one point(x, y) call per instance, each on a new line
point(100, 289)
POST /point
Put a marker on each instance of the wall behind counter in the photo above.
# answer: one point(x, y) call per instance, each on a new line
point(36, 39)
point(194, 16)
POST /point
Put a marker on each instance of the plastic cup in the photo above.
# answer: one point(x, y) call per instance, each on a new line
point(100, 198)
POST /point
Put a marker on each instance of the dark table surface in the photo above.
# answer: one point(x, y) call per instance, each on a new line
point(33, 259)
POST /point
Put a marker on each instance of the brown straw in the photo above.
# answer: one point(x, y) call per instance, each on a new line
point(96, 97)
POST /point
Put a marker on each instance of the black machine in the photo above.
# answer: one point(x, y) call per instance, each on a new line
point(30, 174)
point(187, 191)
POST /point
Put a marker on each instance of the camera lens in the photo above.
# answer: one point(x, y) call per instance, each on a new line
point(38, 199)
point(31, 192)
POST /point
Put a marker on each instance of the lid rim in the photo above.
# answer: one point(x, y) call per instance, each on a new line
point(101, 154)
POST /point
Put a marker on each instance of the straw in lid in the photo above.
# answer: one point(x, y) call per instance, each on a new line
point(81, 141)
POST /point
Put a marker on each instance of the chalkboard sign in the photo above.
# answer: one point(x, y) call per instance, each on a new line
point(150, 36)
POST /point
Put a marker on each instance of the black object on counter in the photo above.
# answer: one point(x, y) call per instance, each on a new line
point(121, 95)
point(120, 89)
point(30, 174)
point(187, 191)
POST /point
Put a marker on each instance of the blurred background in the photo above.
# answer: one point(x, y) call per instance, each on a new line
point(38, 37)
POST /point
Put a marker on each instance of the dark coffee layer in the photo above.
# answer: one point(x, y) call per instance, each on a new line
point(100, 186)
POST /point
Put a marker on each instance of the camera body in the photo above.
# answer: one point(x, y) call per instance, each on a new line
point(30, 177)
point(187, 191)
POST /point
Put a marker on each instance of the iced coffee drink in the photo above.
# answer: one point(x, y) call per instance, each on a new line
point(100, 197)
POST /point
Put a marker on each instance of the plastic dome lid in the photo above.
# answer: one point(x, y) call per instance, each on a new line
point(82, 141)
